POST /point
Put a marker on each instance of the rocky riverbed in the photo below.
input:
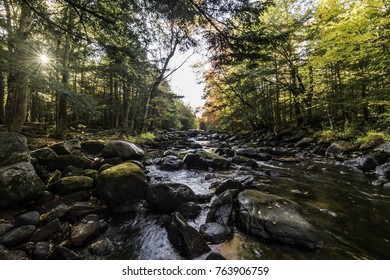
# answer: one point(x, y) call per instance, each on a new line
point(194, 195)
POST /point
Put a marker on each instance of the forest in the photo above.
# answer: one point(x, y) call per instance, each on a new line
point(106, 64)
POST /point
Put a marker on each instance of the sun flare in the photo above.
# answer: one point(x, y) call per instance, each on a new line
point(44, 58)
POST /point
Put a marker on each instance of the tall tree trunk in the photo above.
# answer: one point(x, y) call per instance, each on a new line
point(62, 125)
point(125, 108)
point(2, 96)
point(16, 107)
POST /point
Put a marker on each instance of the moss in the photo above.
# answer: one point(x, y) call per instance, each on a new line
point(54, 177)
point(91, 173)
point(210, 155)
point(76, 180)
point(373, 138)
point(124, 169)
point(104, 167)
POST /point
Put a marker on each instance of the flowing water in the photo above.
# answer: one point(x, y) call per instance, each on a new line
point(351, 215)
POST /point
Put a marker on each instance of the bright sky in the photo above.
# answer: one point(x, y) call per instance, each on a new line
point(185, 80)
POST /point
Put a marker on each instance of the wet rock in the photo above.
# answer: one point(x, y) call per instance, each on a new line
point(73, 184)
point(19, 183)
point(17, 236)
point(92, 147)
point(6, 254)
point(221, 210)
point(164, 220)
point(123, 149)
point(13, 149)
point(204, 198)
point(67, 147)
point(122, 184)
point(340, 148)
point(214, 232)
point(62, 253)
point(253, 153)
point(167, 197)
point(229, 184)
point(378, 183)
point(67, 200)
point(28, 218)
point(189, 209)
point(383, 170)
point(185, 238)
point(41, 251)
point(56, 213)
point(131, 207)
point(276, 174)
point(386, 186)
point(62, 162)
point(384, 147)
point(194, 161)
point(5, 228)
point(368, 162)
point(44, 155)
point(83, 233)
point(215, 256)
point(102, 247)
point(203, 160)
point(272, 217)
point(304, 142)
point(45, 232)
point(244, 161)
point(81, 209)
point(171, 163)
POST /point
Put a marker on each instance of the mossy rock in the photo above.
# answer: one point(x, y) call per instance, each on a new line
point(72, 184)
point(91, 173)
point(104, 167)
point(122, 184)
point(54, 177)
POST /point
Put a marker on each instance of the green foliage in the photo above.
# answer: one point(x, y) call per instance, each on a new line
point(372, 138)
point(142, 139)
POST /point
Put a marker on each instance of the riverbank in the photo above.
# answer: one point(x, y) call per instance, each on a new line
point(190, 193)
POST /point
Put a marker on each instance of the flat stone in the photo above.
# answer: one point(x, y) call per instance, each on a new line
point(17, 236)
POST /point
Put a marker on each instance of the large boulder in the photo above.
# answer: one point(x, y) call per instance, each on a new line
point(275, 218)
point(19, 183)
point(123, 149)
point(186, 239)
point(13, 149)
point(64, 161)
point(383, 170)
point(171, 163)
point(44, 155)
point(340, 148)
point(368, 162)
point(122, 184)
point(167, 197)
point(221, 210)
point(203, 160)
point(92, 147)
point(384, 147)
